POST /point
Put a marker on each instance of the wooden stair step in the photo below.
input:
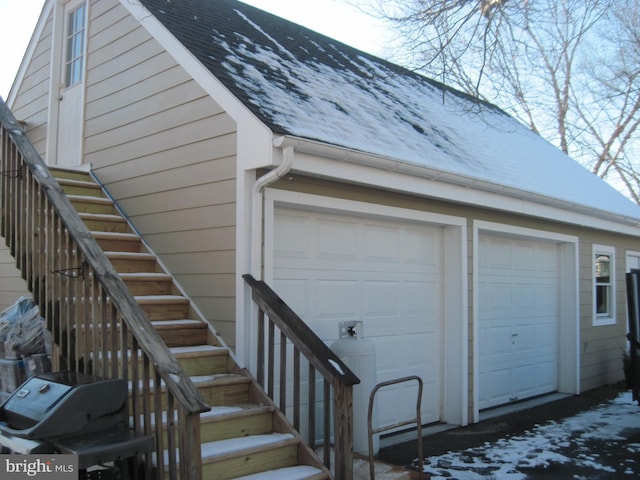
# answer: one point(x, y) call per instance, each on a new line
point(197, 360)
point(202, 359)
point(175, 333)
point(216, 389)
point(148, 283)
point(130, 262)
point(223, 388)
point(224, 422)
point(299, 472)
point(164, 307)
point(105, 222)
point(237, 457)
point(220, 388)
point(91, 204)
point(115, 241)
point(70, 174)
point(79, 187)
point(179, 333)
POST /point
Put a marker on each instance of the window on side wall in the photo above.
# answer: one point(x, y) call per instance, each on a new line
point(604, 301)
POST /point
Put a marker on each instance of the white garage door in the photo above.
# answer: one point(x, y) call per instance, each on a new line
point(332, 268)
point(518, 319)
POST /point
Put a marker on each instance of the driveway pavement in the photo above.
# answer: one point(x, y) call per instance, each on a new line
point(595, 435)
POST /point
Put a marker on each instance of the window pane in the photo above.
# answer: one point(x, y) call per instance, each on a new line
point(603, 263)
point(603, 299)
point(75, 46)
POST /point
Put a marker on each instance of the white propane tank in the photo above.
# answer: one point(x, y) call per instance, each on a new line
point(359, 355)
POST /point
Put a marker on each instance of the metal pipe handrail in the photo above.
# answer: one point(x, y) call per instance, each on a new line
point(417, 420)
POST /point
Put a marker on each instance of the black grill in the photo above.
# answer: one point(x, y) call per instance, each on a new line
point(73, 413)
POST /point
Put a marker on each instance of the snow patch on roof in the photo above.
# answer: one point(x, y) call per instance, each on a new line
point(307, 85)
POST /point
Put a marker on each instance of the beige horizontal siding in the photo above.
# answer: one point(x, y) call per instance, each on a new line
point(12, 286)
point(30, 106)
point(167, 153)
point(32, 98)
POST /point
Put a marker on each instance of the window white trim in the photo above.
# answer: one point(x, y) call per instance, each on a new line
point(609, 317)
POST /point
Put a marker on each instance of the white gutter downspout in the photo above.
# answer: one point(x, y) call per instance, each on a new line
point(257, 205)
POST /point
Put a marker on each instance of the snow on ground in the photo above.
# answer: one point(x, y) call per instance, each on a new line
point(570, 441)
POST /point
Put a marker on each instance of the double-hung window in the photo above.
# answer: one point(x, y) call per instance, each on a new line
point(604, 301)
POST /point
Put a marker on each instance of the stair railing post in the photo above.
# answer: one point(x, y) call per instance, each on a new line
point(343, 430)
point(191, 459)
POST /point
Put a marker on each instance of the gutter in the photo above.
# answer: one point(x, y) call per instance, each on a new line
point(356, 157)
point(257, 204)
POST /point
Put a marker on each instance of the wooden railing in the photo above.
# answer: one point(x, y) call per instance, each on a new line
point(96, 324)
point(337, 379)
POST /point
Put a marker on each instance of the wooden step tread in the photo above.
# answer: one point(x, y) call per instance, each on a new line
point(103, 217)
point(78, 183)
point(198, 350)
point(70, 174)
point(114, 236)
point(161, 299)
point(299, 472)
point(221, 413)
point(203, 381)
point(129, 256)
point(142, 276)
point(241, 446)
point(178, 352)
point(178, 324)
point(90, 199)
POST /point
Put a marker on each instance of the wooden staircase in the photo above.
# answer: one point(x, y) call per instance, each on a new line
point(243, 435)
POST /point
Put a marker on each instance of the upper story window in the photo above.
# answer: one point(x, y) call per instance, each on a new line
point(75, 41)
point(604, 302)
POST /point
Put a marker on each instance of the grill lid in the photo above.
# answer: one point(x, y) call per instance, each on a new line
point(62, 403)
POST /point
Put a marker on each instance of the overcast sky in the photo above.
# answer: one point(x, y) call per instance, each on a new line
point(330, 17)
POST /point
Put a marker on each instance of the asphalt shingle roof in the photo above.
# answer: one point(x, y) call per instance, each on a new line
point(305, 84)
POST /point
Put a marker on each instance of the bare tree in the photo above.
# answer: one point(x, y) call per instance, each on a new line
point(570, 69)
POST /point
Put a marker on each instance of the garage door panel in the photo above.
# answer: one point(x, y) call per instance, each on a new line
point(296, 292)
point(523, 257)
point(289, 241)
point(344, 299)
point(381, 244)
point(495, 337)
point(381, 298)
point(545, 379)
point(521, 381)
point(518, 318)
point(495, 386)
point(336, 241)
point(386, 273)
point(421, 249)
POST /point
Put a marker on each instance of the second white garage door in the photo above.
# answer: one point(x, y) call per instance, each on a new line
point(518, 318)
point(332, 268)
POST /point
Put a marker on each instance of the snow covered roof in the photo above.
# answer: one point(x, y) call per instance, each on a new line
point(304, 84)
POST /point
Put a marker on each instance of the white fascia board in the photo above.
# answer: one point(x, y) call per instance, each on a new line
point(341, 164)
point(31, 47)
point(254, 137)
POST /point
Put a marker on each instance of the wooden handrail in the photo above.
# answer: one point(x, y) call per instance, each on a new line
point(34, 208)
point(321, 358)
point(310, 345)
